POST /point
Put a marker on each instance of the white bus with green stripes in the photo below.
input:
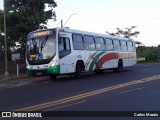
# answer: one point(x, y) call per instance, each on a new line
point(60, 51)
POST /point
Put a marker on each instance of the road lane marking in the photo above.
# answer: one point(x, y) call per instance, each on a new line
point(132, 90)
point(85, 95)
point(67, 105)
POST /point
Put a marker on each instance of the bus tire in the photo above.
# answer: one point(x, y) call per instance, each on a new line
point(99, 71)
point(120, 67)
point(78, 71)
point(53, 77)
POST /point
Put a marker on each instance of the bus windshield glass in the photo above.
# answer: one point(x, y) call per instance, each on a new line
point(41, 48)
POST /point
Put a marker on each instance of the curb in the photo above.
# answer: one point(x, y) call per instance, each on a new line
point(4, 79)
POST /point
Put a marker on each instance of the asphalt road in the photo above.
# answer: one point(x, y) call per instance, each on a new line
point(134, 89)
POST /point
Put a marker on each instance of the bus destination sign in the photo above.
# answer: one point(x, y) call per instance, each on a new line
point(42, 33)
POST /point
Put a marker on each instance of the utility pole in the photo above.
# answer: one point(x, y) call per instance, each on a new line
point(5, 40)
point(61, 23)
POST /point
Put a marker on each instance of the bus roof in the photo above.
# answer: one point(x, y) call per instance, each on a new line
point(85, 33)
point(94, 34)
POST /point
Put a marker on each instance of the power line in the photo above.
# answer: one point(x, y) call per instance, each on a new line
point(110, 21)
point(145, 19)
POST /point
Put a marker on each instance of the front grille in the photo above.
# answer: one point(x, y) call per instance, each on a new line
point(43, 72)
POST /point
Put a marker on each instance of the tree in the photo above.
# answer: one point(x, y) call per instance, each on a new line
point(128, 32)
point(24, 16)
point(138, 43)
point(33, 10)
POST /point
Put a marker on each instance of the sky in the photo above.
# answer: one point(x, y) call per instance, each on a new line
point(106, 15)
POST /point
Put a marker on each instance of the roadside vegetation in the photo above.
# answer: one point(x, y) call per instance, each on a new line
point(151, 54)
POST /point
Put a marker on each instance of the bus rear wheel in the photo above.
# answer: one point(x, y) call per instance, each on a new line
point(78, 71)
point(120, 67)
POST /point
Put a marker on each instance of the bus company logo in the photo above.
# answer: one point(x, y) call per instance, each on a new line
point(6, 114)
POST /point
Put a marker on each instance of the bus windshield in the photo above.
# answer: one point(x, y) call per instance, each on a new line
point(41, 49)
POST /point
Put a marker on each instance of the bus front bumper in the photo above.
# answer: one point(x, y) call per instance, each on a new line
point(55, 70)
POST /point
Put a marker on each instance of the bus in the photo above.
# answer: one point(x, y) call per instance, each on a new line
point(60, 51)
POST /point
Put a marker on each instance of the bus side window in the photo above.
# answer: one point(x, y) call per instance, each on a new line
point(64, 47)
point(108, 44)
point(89, 43)
point(99, 43)
point(117, 46)
point(123, 45)
point(78, 42)
point(130, 46)
point(60, 44)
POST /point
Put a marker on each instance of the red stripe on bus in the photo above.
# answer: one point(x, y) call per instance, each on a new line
point(91, 58)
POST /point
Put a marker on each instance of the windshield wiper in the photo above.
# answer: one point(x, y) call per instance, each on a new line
point(43, 43)
point(34, 45)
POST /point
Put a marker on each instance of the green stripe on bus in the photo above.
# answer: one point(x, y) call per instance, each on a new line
point(54, 70)
point(93, 61)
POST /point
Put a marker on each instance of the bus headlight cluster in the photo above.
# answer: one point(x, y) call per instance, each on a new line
point(52, 63)
point(28, 67)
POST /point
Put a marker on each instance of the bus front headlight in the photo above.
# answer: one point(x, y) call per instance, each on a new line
point(28, 67)
point(53, 63)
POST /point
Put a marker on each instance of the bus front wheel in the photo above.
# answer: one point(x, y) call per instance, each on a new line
point(78, 71)
point(53, 76)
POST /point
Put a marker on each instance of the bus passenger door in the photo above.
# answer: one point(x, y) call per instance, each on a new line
point(65, 55)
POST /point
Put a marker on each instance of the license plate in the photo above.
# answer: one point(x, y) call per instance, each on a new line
point(38, 73)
